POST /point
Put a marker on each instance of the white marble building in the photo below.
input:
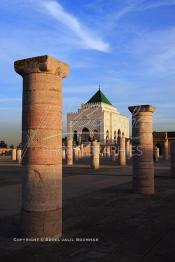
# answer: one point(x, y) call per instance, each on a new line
point(98, 119)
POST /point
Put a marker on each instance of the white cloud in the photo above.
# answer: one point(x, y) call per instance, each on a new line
point(139, 6)
point(88, 38)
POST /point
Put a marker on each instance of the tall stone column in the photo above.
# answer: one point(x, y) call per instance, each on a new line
point(122, 152)
point(69, 151)
point(79, 153)
point(128, 149)
point(108, 151)
point(113, 154)
point(63, 153)
point(143, 166)
point(14, 154)
point(166, 157)
point(156, 153)
point(76, 153)
point(95, 155)
point(82, 150)
point(172, 159)
point(104, 152)
point(19, 153)
point(42, 145)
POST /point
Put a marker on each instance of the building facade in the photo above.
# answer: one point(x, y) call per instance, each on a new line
point(163, 141)
point(97, 119)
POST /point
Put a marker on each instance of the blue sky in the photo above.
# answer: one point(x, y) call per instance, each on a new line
point(126, 45)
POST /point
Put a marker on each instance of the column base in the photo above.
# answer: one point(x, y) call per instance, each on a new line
point(41, 224)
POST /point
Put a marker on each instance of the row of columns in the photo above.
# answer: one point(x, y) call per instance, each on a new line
point(41, 213)
point(77, 152)
point(16, 154)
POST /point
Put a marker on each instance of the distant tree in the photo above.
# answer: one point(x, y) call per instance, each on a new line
point(3, 144)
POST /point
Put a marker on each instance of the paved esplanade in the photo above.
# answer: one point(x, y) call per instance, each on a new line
point(143, 166)
point(42, 145)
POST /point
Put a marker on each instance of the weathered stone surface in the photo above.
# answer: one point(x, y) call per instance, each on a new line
point(41, 64)
point(108, 150)
point(41, 224)
point(76, 153)
point(19, 155)
point(95, 155)
point(166, 156)
point(142, 141)
point(42, 145)
point(14, 154)
point(122, 152)
point(69, 152)
point(42, 187)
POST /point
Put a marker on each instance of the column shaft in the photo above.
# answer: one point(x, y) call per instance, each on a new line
point(122, 152)
point(19, 154)
point(69, 152)
point(143, 167)
point(14, 154)
point(42, 145)
point(166, 155)
point(173, 159)
point(95, 155)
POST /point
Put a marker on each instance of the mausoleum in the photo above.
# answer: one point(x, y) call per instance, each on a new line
point(99, 120)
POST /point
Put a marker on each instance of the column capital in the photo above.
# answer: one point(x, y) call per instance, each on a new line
point(41, 64)
point(141, 108)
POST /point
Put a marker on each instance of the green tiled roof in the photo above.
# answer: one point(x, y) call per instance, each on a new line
point(99, 97)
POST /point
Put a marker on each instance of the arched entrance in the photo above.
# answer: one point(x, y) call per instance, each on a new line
point(85, 137)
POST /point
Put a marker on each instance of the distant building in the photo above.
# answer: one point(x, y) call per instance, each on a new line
point(163, 139)
point(97, 119)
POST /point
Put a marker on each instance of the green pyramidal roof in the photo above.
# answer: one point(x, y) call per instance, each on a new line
point(99, 97)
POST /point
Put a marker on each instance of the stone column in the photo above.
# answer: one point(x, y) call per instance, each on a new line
point(42, 145)
point(19, 153)
point(69, 151)
point(166, 157)
point(113, 154)
point(82, 150)
point(79, 153)
point(14, 155)
point(63, 153)
point(143, 166)
point(128, 149)
point(104, 152)
point(156, 153)
point(122, 152)
point(95, 155)
point(76, 149)
point(108, 151)
point(173, 159)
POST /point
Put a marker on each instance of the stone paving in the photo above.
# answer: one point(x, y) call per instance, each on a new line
point(96, 204)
